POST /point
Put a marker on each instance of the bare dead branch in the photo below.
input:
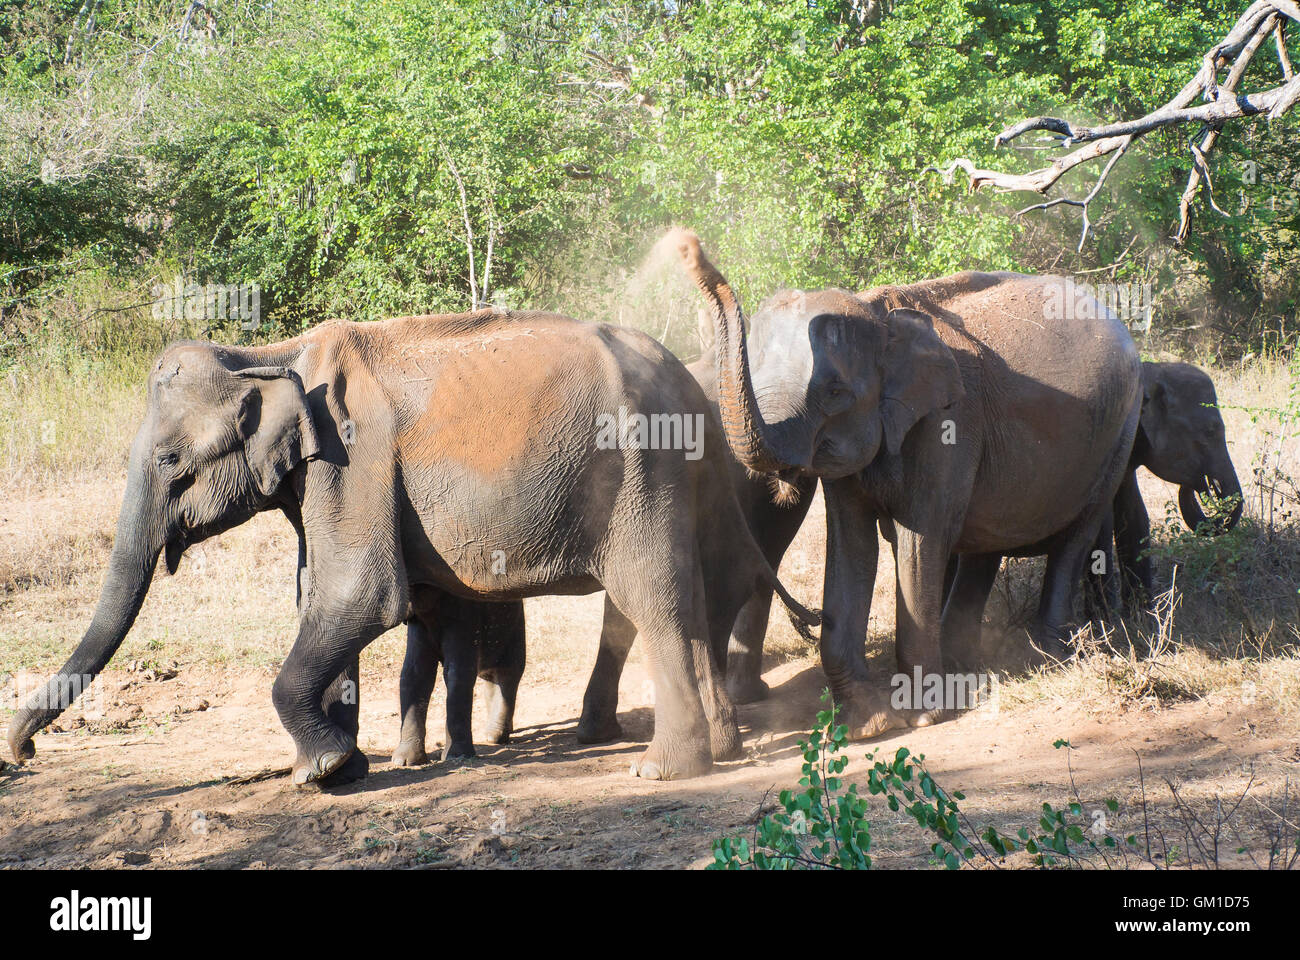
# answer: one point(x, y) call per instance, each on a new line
point(1221, 104)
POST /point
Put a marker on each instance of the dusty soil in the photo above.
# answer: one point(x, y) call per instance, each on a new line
point(155, 781)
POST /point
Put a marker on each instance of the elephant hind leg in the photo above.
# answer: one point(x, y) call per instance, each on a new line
point(599, 721)
point(665, 604)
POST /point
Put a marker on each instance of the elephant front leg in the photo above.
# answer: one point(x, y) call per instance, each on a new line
point(851, 555)
point(342, 705)
point(599, 722)
point(419, 674)
point(323, 651)
point(967, 593)
point(1132, 539)
point(745, 649)
point(921, 561)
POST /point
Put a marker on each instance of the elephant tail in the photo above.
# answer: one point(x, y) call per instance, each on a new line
point(802, 618)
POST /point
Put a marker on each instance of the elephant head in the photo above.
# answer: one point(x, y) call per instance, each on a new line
point(1181, 439)
point(834, 378)
point(218, 438)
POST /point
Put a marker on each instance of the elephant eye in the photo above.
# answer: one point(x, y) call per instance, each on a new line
point(166, 460)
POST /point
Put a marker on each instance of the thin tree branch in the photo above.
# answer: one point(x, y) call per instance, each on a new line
point(1222, 104)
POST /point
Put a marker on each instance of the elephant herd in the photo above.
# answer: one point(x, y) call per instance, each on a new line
point(440, 469)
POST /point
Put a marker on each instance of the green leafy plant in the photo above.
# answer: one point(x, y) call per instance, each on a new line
point(824, 824)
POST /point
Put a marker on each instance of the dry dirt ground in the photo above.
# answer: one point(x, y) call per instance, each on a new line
point(162, 770)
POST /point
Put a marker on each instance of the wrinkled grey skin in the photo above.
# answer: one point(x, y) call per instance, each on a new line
point(864, 391)
point(1181, 439)
point(411, 455)
point(773, 515)
point(471, 640)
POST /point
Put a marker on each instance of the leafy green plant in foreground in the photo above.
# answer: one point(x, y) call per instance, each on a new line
point(824, 824)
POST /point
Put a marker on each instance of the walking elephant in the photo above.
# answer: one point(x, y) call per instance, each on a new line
point(963, 414)
point(486, 456)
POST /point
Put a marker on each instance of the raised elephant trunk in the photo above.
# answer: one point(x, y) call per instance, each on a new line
point(130, 570)
point(746, 432)
point(1223, 483)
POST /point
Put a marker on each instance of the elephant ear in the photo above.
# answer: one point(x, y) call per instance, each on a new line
point(276, 425)
point(921, 375)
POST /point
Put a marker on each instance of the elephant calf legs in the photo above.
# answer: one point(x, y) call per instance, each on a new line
point(470, 639)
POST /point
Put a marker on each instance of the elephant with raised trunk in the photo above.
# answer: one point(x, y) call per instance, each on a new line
point(963, 415)
point(427, 456)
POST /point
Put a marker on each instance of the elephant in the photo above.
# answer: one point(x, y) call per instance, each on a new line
point(470, 639)
point(966, 414)
point(1181, 439)
point(491, 456)
point(773, 514)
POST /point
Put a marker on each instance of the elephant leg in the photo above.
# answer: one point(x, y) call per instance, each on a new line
point(599, 722)
point(322, 651)
point(342, 705)
point(745, 649)
point(963, 612)
point(1065, 567)
point(719, 608)
point(502, 655)
point(1132, 538)
point(459, 671)
point(419, 674)
point(1107, 581)
point(950, 577)
point(920, 561)
point(851, 554)
point(660, 599)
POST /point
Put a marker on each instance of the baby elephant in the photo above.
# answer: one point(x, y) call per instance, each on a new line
point(1181, 440)
point(470, 639)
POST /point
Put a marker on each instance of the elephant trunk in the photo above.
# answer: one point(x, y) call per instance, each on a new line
point(748, 436)
point(130, 571)
point(1223, 483)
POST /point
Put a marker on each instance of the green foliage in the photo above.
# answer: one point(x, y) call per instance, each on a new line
point(824, 824)
point(353, 157)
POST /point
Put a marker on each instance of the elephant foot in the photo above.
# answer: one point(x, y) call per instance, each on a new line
point(599, 730)
point(354, 768)
point(928, 718)
point(747, 689)
point(458, 751)
point(868, 714)
point(725, 742)
point(662, 763)
point(494, 735)
point(307, 770)
point(410, 753)
point(1051, 645)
